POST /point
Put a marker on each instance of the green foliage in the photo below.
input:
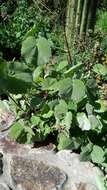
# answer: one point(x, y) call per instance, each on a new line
point(101, 24)
point(55, 99)
point(64, 142)
point(97, 154)
point(29, 50)
point(100, 182)
point(44, 51)
point(18, 17)
point(79, 91)
point(100, 69)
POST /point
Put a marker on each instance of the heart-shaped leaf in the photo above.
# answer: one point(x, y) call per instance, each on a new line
point(64, 142)
point(44, 50)
point(83, 122)
point(78, 92)
point(60, 110)
point(29, 50)
point(97, 154)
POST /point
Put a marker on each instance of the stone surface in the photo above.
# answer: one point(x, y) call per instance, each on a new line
point(26, 168)
point(35, 175)
point(3, 187)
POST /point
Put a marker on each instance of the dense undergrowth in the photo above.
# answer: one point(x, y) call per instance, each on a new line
point(54, 100)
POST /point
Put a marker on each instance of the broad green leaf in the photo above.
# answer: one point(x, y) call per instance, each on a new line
point(26, 77)
point(97, 154)
point(16, 130)
point(36, 101)
point(45, 108)
point(17, 67)
point(29, 130)
point(64, 142)
point(60, 109)
point(35, 120)
point(100, 182)
point(85, 155)
point(78, 92)
point(100, 69)
point(47, 130)
point(73, 70)
point(16, 86)
point(18, 83)
point(53, 103)
point(91, 83)
point(65, 86)
point(48, 115)
point(29, 134)
point(37, 74)
point(72, 106)
point(89, 109)
point(68, 120)
point(29, 50)
point(48, 84)
point(95, 122)
point(61, 65)
point(44, 50)
point(83, 122)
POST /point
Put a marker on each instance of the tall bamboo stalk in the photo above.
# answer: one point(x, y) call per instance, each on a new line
point(78, 16)
point(70, 20)
point(84, 18)
point(81, 16)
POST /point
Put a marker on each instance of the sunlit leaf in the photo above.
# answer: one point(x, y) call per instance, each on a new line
point(78, 92)
point(29, 50)
point(61, 65)
point(16, 130)
point(100, 182)
point(83, 122)
point(44, 50)
point(60, 109)
point(100, 69)
point(68, 120)
point(97, 154)
point(64, 142)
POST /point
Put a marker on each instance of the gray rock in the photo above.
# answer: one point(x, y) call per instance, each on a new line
point(4, 187)
point(25, 168)
point(32, 174)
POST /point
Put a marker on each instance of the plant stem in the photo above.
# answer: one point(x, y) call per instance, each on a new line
point(15, 102)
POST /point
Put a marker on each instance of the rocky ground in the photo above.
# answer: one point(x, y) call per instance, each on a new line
point(25, 168)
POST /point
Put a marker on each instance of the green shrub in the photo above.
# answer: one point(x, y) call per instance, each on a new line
point(16, 21)
point(52, 98)
point(101, 24)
